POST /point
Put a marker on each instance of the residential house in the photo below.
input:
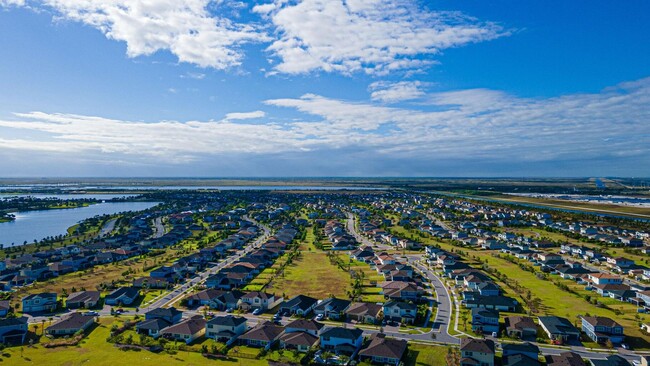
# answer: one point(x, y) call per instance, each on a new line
point(565, 359)
point(528, 349)
point(226, 328)
point(5, 308)
point(400, 311)
point(341, 340)
point(300, 334)
point(122, 296)
point(258, 300)
point(476, 352)
point(558, 328)
point(70, 325)
point(521, 327)
point(600, 278)
point(364, 312)
point(332, 308)
point(602, 329)
point(187, 330)
point(264, 334)
point(382, 350)
point(43, 302)
point(485, 320)
point(82, 299)
point(13, 330)
point(300, 305)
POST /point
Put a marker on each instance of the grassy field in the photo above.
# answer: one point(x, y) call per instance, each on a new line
point(94, 350)
point(312, 274)
point(425, 355)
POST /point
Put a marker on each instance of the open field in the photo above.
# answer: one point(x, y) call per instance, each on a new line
point(94, 350)
point(425, 355)
point(312, 274)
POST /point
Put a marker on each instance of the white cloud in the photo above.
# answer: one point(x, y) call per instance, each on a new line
point(245, 115)
point(375, 36)
point(7, 3)
point(186, 28)
point(469, 125)
point(387, 92)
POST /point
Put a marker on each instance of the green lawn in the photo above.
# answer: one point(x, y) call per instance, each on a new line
point(94, 350)
point(425, 355)
point(312, 274)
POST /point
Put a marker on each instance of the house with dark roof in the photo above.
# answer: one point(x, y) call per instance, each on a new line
point(476, 352)
point(262, 335)
point(300, 341)
point(485, 320)
point(304, 325)
point(152, 327)
point(332, 308)
point(226, 328)
point(519, 360)
point(341, 340)
point(565, 359)
point(5, 308)
point(521, 327)
point(558, 328)
point(122, 296)
point(187, 330)
point(70, 325)
point(300, 305)
point(13, 330)
point(612, 360)
point(602, 329)
point(382, 350)
point(43, 302)
point(526, 348)
point(82, 299)
point(171, 315)
point(364, 312)
point(399, 311)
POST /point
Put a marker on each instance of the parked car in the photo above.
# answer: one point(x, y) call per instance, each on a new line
point(257, 311)
point(319, 317)
point(91, 313)
point(229, 310)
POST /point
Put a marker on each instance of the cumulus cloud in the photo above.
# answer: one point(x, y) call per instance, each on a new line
point(476, 125)
point(196, 31)
point(388, 92)
point(375, 36)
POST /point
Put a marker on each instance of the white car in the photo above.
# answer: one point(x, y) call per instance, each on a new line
point(319, 317)
point(257, 312)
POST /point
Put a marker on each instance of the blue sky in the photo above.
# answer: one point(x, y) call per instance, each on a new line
point(324, 88)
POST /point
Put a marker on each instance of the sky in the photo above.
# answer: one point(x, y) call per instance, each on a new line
point(277, 88)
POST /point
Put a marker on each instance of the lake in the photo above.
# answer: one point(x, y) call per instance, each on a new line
point(32, 225)
point(75, 196)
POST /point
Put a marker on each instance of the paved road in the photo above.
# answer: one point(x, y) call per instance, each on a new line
point(443, 316)
point(360, 238)
point(108, 228)
point(158, 228)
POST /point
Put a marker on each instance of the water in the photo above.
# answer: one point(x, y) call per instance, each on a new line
point(32, 225)
point(73, 196)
